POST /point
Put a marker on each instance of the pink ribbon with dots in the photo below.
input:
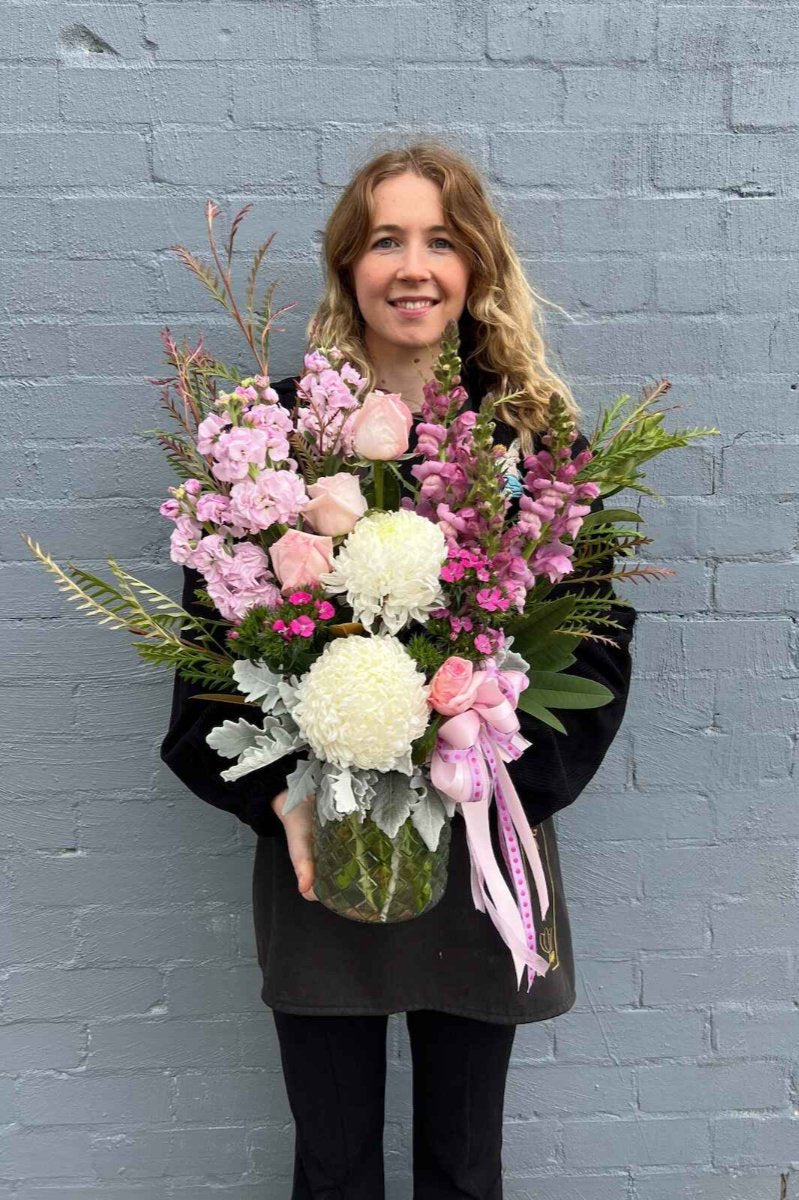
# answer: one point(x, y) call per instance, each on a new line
point(468, 766)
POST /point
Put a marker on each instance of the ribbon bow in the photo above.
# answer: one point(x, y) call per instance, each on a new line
point(468, 765)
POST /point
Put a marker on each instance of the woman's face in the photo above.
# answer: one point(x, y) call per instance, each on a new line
point(415, 259)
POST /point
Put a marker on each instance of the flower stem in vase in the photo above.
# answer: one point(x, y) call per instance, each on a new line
point(363, 869)
point(396, 860)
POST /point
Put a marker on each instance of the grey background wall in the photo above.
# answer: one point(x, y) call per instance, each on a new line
point(645, 154)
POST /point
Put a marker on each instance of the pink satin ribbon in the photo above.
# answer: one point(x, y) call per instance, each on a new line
point(468, 766)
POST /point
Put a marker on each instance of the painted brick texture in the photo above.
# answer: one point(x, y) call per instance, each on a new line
point(646, 156)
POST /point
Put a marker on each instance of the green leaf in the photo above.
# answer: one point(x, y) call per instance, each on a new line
point(608, 516)
point(424, 745)
point(553, 653)
point(556, 689)
point(528, 704)
point(546, 616)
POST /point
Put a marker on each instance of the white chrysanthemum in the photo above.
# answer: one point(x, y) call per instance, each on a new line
point(388, 566)
point(362, 703)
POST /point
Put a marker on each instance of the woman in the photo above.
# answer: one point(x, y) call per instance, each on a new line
point(414, 224)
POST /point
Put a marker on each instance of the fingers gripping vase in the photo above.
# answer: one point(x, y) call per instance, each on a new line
point(363, 874)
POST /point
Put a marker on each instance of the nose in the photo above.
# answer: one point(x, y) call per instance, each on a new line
point(413, 264)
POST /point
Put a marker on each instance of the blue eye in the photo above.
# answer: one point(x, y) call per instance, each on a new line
point(390, 239)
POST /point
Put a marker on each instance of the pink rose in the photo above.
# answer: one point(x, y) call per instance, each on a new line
point(381, 426)
point(454, 686)
point(337, 503)
point(299, 558)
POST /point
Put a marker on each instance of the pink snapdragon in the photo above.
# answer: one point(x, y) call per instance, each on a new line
point(429, 438)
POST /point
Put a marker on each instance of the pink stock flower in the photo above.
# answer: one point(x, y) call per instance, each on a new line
point(314, 360)
point(299, 557)
point(213, 507)
point(325, 403)
point(236, 450)
point(210, 550)
point(247, 394)
point(274, 497)
point(243, 581)
point(350, 375)
point(170, 509)
point(276, 424)
point(209, 430)
point(183, 540)
point(234, 606)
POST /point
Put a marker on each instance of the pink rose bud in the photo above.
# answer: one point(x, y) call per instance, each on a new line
point(336, 503)
point(381, 426)
point(454, 686)
point(299, 557)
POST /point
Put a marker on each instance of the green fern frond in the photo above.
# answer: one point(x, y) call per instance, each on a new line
point(111, 610)
point(165, 604)
point(194, 665)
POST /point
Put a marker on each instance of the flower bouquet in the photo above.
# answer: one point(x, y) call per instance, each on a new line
point(380, 609)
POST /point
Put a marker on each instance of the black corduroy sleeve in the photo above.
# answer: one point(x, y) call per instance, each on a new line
point(554, 770)
point(188, 755)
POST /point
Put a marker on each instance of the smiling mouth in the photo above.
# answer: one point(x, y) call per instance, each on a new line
point(413, 307)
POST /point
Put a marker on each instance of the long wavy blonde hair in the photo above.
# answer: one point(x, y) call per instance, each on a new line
point(501, 339)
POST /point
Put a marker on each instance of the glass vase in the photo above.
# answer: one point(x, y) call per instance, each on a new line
point(363, 874)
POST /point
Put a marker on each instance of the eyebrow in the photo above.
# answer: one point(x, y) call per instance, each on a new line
point(399, 229)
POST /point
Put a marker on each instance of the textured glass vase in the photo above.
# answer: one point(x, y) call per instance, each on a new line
point(363, 874)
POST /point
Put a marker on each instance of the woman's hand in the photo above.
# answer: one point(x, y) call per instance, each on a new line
point(298, 825)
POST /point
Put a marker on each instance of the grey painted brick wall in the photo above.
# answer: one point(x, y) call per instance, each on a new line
point(645, 154)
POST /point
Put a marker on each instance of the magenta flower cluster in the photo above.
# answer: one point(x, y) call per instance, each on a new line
point(485, 585)
point(303, 625)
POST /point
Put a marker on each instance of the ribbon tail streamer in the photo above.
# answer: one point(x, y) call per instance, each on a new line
point(496, 896)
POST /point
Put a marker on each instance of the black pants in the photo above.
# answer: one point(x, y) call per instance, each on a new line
point(335, 1073)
